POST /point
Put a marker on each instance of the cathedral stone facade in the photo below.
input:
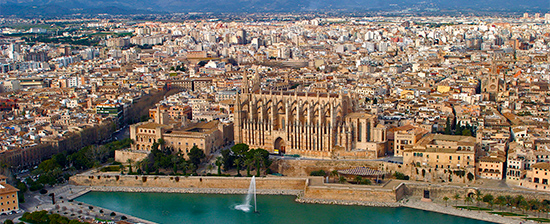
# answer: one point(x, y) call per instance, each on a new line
point(318, 125)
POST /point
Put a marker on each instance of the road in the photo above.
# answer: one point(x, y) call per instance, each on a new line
point(122, 134)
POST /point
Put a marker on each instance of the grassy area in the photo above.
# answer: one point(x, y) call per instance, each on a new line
point(538, 219)
point(474, 208)
point(506, 214)
point(28, 26)
point(110, 169)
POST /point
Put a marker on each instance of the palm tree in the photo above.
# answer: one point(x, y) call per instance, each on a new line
point(138, 166)
point(342, 179)
point(517, 201)
point(175, 164)
point(500, 200)
point(184, 166)
point(238, 164)
point(259, 159)
point(209, 167)
point(489, 199)
point(545, 204)
point(248, 163)
point(445, 199)
point(145, 165)
point(334, 174)
point(219, 162)
point(534, 204)
point(161, 142)
point(468, 200)
point(192, 167)
point(456, 197)
point(358, 179)
point(130, 161)
point(509, 200)
point(479, 197)
point(524, 205)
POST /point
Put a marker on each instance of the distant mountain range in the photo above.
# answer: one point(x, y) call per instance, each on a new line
point(32, 8)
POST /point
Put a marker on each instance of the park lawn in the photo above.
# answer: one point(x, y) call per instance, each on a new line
point(538, 219)
point(474, 208)
point(506, 214)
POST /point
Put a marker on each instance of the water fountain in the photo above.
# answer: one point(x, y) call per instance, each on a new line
point(245, 206)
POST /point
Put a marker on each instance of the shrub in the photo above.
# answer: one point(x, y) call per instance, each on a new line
point(366, 182)
point(110, 169)
point(43, 191)
point(318, 173)
point(112, 214)
point(400, 176)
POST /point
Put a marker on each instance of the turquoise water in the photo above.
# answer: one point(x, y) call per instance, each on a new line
point(172, 208)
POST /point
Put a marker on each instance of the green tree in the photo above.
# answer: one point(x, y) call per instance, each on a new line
point(259, 160)
point(358, 179)
point(466, 132)
point(509, 200)
point(448, 127)
point(468, 200)
point(456, 197)
point(500, 201)
point(478, 197)
point(8, 221)
point(334, 174)
point(219, 162)
point(248, 162)
point(209, 167)
point(130, 161)
point(228, 160)
point(489, 199)
point(48, 165)
point(238, 164)
point(534, 205)
point(240, 150)
point(524, 205)
point(342, 180)
point(196, 155)
point(60, 159)
point(445, 199)
point(193, 167)
point(162, 143)
point(517, 200)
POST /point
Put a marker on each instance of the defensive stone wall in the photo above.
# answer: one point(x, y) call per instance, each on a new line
point(349, 194)
point(303, 168)
point(282, 183)
point(125, 154)
point(440, 191)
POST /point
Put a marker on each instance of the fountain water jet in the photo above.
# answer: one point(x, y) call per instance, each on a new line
point(245, 206)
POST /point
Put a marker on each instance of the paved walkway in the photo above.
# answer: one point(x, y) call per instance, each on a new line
point(480, 215)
